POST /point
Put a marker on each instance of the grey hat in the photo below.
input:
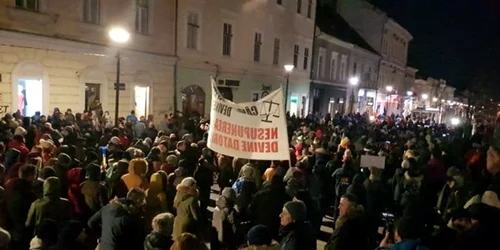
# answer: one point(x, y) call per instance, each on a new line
point(297, 210)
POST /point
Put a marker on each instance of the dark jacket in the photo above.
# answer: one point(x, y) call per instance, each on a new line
point(351, 234)
point(267, 205)
point(19, 195)
point(120, 226)
point(297, 236)
point(406, 245)
point(157, 241)
point(51, 206)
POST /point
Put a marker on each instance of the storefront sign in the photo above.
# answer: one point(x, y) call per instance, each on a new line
point(254, 130)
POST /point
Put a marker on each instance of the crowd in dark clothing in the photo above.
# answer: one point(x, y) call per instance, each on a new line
point(77, 182)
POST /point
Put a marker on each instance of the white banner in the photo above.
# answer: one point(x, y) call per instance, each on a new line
point(253, 130)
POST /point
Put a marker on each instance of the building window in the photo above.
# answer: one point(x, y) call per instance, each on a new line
point(91, 11)
point(227, 38)
point(279, 2)
point(354, 68)
point(309, 8)
point(257, 43)
point(28, 4)
point(343, 68)
point(192, 30)
point(299, 6)
point(333, 67)
point(321, 63)
point(306, 58)
point(276, 51)
point(142, 16)
point(295, 55)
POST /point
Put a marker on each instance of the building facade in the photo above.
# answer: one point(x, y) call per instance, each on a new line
point(244, 45)
point(61, 51)
point(390, 40)
point(433, 98)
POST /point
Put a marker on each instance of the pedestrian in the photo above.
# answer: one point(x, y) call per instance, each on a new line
point(187, 207)
point(161, 236)
point(295, 232)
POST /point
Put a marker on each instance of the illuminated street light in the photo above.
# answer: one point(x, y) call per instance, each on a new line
point(353, 80)
point(425, 96)
point(409, 93)
point(434, 99)
point(389, 88)
point(118, 35)
point(455, 121)
point(289, 68)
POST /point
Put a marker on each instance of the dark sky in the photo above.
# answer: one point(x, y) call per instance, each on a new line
point(457, 40)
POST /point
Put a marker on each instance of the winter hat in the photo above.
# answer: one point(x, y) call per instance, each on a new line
point(93, 171)
point(115, 140)
point(297, 210)
point(163, 223)
point(229, 193)
point(259, 235)
point(188, 182)
point(453, 171)
point(47, 144)
point(64, 159)
point(20, 131)
point(148, 142)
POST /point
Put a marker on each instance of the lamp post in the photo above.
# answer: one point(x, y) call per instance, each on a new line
point(119, 36)
point(389, 90)
point(353, 81)
point(288, 69)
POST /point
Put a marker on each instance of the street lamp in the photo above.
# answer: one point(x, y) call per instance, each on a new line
point(389, 88)
point(353, 81)
point(118, 35)
point(288, 69)
point(425, 96)
point(409, 93)
point(434, 99)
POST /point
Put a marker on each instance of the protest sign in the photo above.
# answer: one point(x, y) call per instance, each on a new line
point(368, 161)
point(253, 130)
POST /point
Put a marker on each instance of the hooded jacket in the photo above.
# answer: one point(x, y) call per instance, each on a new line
point(137, 169)
point(188, 211)
point(51, 206)
point(156, 199)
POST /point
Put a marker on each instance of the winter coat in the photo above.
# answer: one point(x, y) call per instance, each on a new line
point(267, 205)
point(157, 241)
point(74, 178)
point(156, 199)
point(95, 195)
point(19, 195)
point(225, 217)
point(297, 236)
point(377, 196)
point(137, 169)
point(120, 226)
point(350, 233)
point(51, 206)
point(21, 147)
point(188, 211)
point(406, 245)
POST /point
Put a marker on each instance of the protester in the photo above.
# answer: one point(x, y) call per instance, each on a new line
point(187, 219)
point(161, 236)
point(295, 232)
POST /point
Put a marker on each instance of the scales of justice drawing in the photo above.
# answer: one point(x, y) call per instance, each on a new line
point(268, 109)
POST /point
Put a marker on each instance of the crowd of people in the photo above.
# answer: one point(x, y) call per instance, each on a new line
point(76, 181)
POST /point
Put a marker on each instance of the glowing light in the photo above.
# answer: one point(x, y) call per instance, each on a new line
point(119, 35)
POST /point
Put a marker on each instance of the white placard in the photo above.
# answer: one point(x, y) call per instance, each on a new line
point(372, 161)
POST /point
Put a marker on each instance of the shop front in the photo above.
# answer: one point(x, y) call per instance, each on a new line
point(327, 99)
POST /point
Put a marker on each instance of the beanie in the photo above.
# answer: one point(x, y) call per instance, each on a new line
point(297, 210)
point(259, 235)
point(188, 182)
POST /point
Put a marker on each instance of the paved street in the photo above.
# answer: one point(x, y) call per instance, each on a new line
point(326, 228)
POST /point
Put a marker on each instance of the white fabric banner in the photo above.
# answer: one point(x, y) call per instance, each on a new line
point(253, 130)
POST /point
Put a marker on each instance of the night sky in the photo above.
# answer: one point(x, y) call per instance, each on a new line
point(457, 40)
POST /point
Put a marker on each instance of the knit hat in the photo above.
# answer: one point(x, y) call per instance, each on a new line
point(188, 182)
point(47, 144)
point(172, 160)
point(259, 235)
point(115, 140)
point(297, 210)
point(20, 131)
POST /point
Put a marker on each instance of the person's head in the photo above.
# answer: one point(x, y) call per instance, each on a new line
point(19, 138)
point(259, 235)
point(348, 203)
point(46, 172)
point(493, 161)
point(27, 172)
point(293, 211)
point(188, 241)
point(163, 146)
point(407, 229)
point(163, 223)
point(132, 112)
point(137, 196)
point(461, 219)
point(181, 146)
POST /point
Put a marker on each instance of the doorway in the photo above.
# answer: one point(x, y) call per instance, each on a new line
point(193, 100)
point(92, 95)
point(30, 97)
point(141, 101)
